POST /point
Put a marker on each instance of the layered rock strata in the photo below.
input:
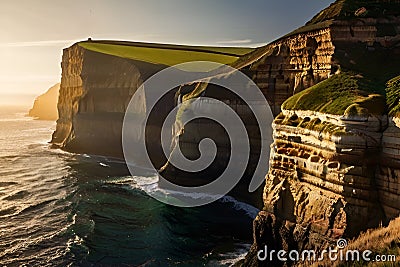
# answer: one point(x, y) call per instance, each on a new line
point(331, 176)
point(388, 174)
point(321, 184)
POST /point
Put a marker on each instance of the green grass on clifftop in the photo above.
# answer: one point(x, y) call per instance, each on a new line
point(168, 55)
point(342, 94)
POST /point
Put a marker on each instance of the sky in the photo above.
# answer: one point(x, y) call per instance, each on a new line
point(33, 33)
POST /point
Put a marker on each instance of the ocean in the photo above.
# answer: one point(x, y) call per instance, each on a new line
point(64, 209)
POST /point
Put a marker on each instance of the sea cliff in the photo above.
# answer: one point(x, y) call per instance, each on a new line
point(95, 91)
point(45, 105)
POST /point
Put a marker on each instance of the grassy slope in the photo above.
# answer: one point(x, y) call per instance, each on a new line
point(384, 240)
point(235, 51)
point(168, 55)
point(381, 241)
point(344, 93)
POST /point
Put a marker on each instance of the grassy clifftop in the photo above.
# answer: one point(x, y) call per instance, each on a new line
point(168, 55)
point(348, 93)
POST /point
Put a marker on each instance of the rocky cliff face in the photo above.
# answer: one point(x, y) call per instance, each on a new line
point(293, 64)
point(388, 174)
point(330, 177)
point(95, 91)
point(45, 105)
point(321, 184)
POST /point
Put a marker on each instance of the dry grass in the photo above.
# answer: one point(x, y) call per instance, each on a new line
point(381, 241)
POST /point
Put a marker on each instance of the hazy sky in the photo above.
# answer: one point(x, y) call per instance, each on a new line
point(35, 32)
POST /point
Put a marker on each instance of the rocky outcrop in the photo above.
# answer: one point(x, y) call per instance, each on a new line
point(321, 184)
point(331, 176)
point(45, 105)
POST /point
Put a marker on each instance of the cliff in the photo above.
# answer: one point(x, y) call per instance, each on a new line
point(334, 162)
point(98, 80)
point(95, 91)
point(45, 105)
point(331, 175)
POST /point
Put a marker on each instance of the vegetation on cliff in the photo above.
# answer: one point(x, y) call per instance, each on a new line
point(382, 241)
point(393, 96)
point(342, 94)
point(168, 55)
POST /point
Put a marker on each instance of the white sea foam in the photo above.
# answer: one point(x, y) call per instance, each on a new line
point(229, 259)
point(250, 210)
point(150, 185)
point(103, 164)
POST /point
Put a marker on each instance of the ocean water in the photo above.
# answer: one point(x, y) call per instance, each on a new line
point(64, 209)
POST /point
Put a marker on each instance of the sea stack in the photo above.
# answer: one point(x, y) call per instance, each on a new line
point(45, 105)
